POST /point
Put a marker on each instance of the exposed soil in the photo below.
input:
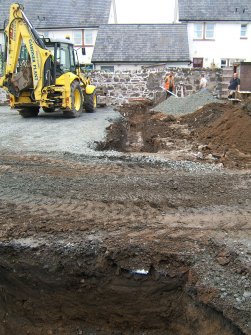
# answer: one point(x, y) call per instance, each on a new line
point(216, 133)
point(133, 244)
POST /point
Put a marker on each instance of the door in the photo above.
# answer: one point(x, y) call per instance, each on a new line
point(245, 76)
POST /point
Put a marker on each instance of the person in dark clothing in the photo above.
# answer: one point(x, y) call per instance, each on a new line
point(234, 86)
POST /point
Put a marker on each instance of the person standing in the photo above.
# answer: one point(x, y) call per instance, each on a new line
point(169, 83)
point(203, 83)
point(234, 86)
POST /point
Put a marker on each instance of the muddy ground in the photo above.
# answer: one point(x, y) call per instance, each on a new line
point(156, 241)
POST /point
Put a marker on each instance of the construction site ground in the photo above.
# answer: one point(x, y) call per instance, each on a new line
point(145, 231)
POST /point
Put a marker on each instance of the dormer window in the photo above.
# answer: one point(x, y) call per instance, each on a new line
point(204, 31)
point(244, 30)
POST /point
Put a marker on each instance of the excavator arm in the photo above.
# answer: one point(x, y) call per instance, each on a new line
point(19, 31)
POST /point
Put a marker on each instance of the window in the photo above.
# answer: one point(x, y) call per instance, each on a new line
point(204, 31)
point(86, 67)
point(198, 31)
point(243, 30)
point(107, 68)
point(88, 37)
point(45, 33)
point(230, 62)
point(23, 58)
point(77, 37)
point(72, 59)
point(198, 62)
point(65, 59)
point(209, 30)
point(223, 63)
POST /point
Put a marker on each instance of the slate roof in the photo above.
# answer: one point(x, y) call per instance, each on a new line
point(62, 13)
point(215, 10)
point(141, 43)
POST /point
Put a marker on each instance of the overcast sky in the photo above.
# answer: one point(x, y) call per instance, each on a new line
point(145, 11)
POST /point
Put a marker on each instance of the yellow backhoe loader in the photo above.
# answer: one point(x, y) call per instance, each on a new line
point(42, 72)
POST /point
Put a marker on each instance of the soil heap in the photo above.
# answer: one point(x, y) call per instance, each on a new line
point(218, 132)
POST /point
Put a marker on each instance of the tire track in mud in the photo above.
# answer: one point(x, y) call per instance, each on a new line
point(122, 219)
point(77, 195)
point(131, 212)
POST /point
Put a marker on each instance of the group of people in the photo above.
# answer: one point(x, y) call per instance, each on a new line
point(233, 87)
point(169, 83)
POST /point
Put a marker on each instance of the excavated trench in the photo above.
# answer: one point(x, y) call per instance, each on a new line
point(127, 245)
point(81, 289)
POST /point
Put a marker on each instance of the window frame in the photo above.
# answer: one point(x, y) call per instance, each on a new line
point(200, 61)
point(200, 30)
point(107, 68)
point(207, 30)
point(223, 62)
point(45, 33)
point(78, 39)
point(203, 36)
point(86, 41)
point(245, 31)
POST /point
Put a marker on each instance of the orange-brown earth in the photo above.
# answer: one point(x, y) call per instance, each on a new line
point(216, 133)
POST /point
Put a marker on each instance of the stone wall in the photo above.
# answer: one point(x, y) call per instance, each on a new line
point(148, 83)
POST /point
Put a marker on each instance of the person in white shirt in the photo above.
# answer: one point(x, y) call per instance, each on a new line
point(203, 83)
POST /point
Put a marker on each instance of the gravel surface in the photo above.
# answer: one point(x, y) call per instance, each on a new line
point(188, 104)
point(53, 132)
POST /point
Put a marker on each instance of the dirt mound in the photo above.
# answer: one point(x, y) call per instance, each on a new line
point(225, 130)
point(216, 133)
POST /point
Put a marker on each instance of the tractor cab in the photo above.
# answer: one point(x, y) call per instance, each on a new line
point(63, 56)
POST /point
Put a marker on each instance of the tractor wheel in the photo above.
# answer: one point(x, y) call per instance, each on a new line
point(90, 102)
point(77, 101)
point(29, 112)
